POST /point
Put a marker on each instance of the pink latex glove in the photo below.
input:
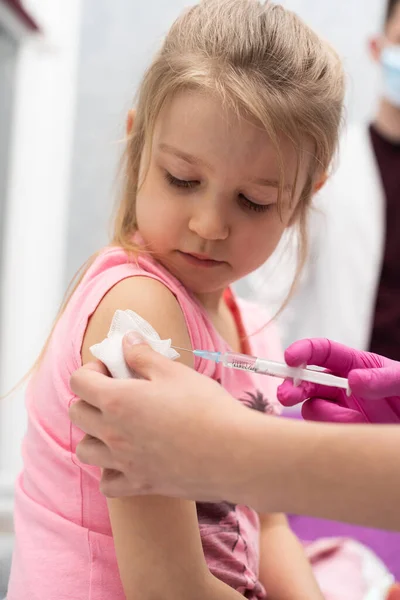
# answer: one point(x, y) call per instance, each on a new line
point(374, 382)
point(394, 592)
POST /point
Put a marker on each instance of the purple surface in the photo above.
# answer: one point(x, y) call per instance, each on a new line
point(385, 544)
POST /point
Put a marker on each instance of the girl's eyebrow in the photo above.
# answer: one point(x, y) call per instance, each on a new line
point(193, 160)
point(274, 183)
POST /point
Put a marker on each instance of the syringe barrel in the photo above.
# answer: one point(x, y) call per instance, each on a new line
point(234, 360)
point(244, 362)
point(270, 367)
point(297, 373)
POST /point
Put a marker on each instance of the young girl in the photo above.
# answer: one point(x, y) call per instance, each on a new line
point(236, 125)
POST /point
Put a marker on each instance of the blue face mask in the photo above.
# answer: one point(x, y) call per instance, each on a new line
point(391, 74)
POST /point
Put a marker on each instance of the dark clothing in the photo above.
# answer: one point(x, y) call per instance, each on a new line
point(385, 336)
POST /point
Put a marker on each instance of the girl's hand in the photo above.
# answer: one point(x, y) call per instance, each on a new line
point(374, 381)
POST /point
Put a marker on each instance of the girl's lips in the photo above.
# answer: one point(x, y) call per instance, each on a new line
point(199, 260)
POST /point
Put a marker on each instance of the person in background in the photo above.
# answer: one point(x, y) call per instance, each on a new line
point(350, 290)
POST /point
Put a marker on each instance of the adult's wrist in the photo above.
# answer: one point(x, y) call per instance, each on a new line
point(271, 461)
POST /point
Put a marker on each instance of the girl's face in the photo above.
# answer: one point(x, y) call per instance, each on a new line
point(207, 206)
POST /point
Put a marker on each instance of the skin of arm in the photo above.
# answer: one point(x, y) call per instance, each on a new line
point(346, 473)
point(157, 539)
point(171, 433)
point(284, 569)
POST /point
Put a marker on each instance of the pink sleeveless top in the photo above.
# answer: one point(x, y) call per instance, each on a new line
point(64, 546)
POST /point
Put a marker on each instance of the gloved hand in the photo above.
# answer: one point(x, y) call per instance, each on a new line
point(394, 592)
point(374, 382)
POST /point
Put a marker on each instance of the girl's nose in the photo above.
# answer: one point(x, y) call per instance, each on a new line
point(209, 222)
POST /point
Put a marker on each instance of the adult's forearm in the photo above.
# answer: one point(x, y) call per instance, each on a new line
point(340, 472)
point(180, 434)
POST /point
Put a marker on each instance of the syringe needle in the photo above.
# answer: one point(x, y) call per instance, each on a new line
point(183, 349)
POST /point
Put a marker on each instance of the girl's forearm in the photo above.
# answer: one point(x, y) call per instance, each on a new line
point(341, 472)
point(218, 590)
point(285, 571)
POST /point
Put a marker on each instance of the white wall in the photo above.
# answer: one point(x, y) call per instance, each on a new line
point(36, 205)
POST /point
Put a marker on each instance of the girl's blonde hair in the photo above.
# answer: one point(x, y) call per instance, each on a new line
point(257, 58)
point(264, 62)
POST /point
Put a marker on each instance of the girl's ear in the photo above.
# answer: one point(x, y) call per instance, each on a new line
point(130, 119)
point(321, 182)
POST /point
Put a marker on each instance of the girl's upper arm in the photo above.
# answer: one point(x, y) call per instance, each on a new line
point(157, 539)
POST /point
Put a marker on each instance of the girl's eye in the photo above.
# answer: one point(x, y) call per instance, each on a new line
point(180, 183)
point(260, 208)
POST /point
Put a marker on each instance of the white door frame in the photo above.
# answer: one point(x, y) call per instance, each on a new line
point(36, 208)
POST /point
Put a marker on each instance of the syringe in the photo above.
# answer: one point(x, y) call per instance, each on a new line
point(235, 360)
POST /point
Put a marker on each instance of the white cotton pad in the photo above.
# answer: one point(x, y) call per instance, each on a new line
point(109, 351)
